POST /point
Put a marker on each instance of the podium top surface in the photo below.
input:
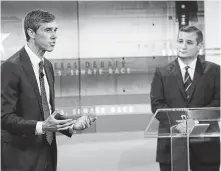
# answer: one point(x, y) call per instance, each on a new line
point(195, 122)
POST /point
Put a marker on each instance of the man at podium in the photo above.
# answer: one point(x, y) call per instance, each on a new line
point(187, 82)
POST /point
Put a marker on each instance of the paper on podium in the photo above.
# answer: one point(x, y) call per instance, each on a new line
point(199, 129)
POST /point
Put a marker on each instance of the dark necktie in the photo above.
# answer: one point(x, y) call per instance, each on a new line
point(187, 83)
point(49, 135)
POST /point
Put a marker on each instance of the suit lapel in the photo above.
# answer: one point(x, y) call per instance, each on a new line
point(50, 81)
point(27, 66)
point(175, 70)
point(199, 71)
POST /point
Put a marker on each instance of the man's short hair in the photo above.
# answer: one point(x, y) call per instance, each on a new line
point(191, 29)
point(34, 18)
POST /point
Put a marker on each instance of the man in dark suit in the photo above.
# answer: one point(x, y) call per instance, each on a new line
point(187, 82)
point(28, 115)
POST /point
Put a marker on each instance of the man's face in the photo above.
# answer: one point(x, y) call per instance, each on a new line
point(187, 46)
point(46, 35)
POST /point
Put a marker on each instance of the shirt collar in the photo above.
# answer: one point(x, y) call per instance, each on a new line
point(33, 57)
point(192, 65)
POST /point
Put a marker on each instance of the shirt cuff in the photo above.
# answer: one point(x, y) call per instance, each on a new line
point(196, 121)
point(39, 130)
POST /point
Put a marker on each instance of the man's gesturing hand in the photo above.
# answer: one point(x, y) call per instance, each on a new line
point(54, 125)
point(82, 123)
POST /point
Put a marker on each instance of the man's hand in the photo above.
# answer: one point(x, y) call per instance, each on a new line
point(54, 125)
point(181, 127)
point(82, 123)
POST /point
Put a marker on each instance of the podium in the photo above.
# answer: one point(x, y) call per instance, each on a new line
point(188, 131)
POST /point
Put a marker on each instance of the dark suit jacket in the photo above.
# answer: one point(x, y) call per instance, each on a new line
point(21, 108)
point(167, 91)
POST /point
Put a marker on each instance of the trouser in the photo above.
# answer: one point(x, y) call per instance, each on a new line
point(194, 167)
point(50, 162)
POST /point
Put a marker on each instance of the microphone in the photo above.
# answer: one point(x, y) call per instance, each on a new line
point(41, 74)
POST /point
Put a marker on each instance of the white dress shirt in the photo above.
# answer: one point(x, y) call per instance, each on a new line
point(191, 69)
point(35, 64)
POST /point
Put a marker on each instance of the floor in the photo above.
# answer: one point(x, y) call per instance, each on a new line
point(125, 151)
